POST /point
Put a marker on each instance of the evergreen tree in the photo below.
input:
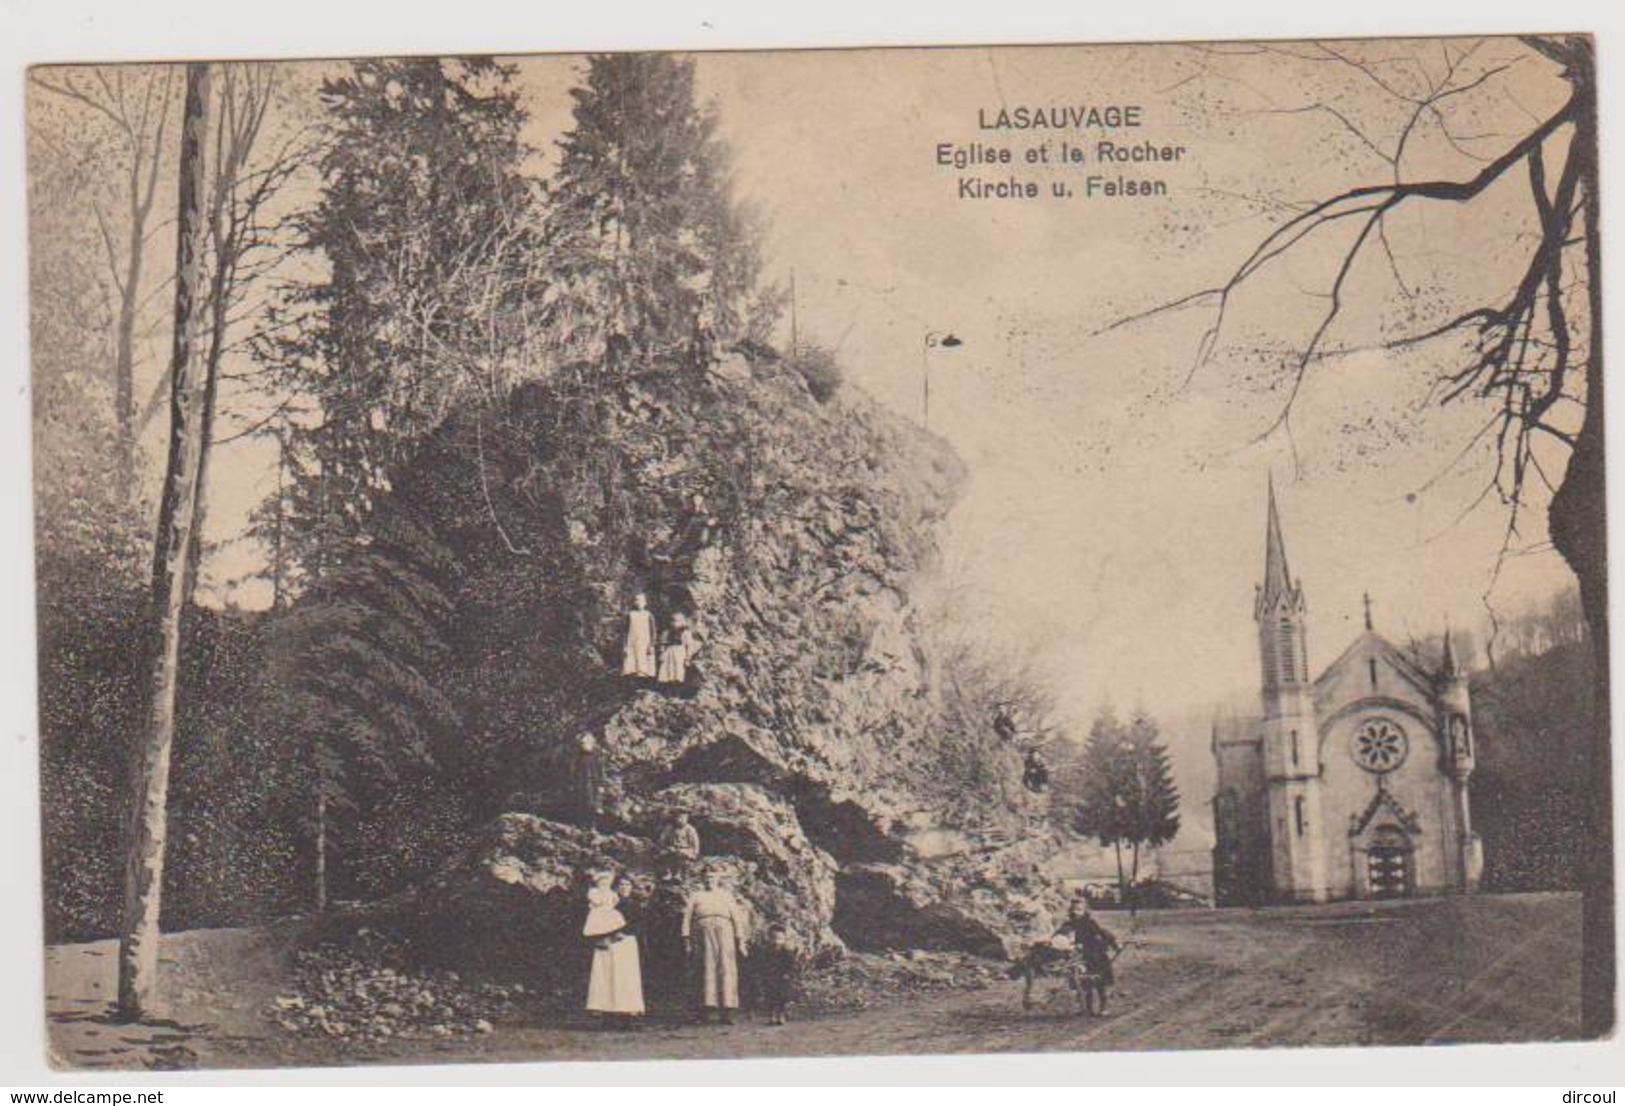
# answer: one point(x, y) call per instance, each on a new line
point(425, 227)
point(1101, 810)
point(652, 264)
point(1153, 800)
point(1128, 793)
point(648, 250)
point(357, 660)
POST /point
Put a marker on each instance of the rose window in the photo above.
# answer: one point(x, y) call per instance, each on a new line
point(1380, 746)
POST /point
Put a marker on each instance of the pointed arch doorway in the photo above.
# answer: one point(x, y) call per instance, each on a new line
point(1390, 861)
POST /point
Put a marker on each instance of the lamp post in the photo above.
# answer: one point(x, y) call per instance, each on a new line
point(933, 338)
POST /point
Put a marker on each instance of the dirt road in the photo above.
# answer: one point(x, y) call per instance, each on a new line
point(1490, 968)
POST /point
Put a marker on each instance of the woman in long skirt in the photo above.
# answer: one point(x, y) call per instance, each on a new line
point(638, 656)
point(615, 982)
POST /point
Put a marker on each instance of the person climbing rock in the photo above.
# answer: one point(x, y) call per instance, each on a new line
point(589, 779)
point(694, 532)
point(1004, 722)
point(702, 344)
point(1035, 772)
point(638, 657)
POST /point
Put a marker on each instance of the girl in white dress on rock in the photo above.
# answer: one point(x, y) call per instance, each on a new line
point(638, 659)
point(677, 649)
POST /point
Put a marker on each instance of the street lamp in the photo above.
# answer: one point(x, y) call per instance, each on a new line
point(933, 338)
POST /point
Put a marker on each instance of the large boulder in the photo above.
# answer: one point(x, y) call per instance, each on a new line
point(993, 900)
point(513, 902)
point(786, 879)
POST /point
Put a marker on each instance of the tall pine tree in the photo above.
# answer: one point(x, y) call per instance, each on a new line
point(648, 249)
point(1128, 794)
point(426, 228)
point(1153, 800)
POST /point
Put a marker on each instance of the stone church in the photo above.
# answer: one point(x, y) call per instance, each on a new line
point(1351, 785)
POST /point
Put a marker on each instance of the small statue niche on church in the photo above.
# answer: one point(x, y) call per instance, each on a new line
point(1461, 738)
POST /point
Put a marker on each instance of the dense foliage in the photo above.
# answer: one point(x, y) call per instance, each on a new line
point(1533, 714)
point(649, 252)
point(425, 229)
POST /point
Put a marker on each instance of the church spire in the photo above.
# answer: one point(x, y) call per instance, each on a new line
point(1279, 611)
point(1450, 668)
point(1277, 579)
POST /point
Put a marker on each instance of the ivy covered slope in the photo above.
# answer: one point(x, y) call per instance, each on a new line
point(822, 744)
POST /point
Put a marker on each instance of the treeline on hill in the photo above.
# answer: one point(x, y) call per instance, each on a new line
point(497, 412)
point(1533, 713)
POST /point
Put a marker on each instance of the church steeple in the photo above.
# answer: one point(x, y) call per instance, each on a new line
point(1289, 746)
point(1280, 611)
point(1279, 593)
point(1451, 667)
point(1277, 578)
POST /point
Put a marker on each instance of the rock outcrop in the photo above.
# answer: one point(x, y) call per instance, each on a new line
point(810, 746)
point(990, 898)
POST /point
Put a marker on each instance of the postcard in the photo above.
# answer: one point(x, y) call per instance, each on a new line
point(823, 552)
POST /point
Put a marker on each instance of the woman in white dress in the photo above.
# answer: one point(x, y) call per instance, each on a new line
point(638, 659)
point(615, 984)
point(677, 650)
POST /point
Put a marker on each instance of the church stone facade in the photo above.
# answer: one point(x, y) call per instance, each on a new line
point(1351, 785)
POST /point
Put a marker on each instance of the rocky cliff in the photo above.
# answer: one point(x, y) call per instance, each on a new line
point(817, 747)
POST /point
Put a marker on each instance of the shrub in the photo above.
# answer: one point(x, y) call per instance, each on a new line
point(819, 369)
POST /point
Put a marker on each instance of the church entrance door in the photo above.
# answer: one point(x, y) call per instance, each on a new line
point(1388, 867)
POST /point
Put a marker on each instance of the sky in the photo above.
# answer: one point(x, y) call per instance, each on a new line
point(1112, 524)
point(1114, 518)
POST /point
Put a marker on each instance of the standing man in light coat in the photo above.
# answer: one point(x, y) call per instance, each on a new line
point(716, 929)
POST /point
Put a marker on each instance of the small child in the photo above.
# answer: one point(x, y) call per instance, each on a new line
point(781, 965)
point(602, 916)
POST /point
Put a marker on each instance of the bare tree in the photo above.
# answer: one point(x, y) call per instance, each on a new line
point(1535, 351)
point(243, 245)
point(172, 576)
point(135, 103)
